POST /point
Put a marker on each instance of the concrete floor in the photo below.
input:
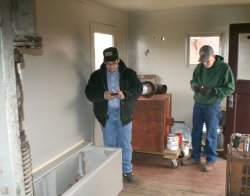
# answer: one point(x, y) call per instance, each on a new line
point(155, 177)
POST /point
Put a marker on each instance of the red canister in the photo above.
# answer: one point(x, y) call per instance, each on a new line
point(180, 137)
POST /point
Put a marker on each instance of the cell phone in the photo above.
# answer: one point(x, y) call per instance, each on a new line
point(114, 94)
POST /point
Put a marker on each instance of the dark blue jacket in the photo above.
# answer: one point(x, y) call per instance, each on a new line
point(130, 85)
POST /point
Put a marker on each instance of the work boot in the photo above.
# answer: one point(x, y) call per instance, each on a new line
point(208, 167)
point(129, 177)
point(190, 161)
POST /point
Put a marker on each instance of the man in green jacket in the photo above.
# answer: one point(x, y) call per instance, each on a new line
point(212, 81)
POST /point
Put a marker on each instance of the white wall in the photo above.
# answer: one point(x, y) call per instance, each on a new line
point(57, 112)
point(167, 59)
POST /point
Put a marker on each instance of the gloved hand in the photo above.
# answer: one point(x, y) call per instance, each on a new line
point(196, 88)
point(205, 90)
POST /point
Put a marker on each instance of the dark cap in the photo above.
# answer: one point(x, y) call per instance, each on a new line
point(205, 52)
point(110, 54)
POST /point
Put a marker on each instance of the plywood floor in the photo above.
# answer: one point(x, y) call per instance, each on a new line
point(155, 177)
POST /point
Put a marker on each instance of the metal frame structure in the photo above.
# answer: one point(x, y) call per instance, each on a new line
point(16, 31)
point(11, 169)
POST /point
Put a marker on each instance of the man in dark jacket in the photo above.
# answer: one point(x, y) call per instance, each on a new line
point(113, 90)
point(212, 81)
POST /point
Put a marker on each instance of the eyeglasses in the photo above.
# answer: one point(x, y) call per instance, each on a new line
point(111, 63)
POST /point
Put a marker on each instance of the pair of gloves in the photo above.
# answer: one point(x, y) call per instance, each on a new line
point(203, 90)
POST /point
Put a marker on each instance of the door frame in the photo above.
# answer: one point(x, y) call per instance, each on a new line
point(234, 31)
point(96, 27)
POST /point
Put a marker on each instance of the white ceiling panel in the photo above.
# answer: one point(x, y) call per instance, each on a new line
point(142, 6)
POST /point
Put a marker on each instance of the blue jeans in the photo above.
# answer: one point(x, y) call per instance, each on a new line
point(211, 115)
point(117, 135)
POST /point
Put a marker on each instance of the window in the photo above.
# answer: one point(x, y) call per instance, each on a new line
point(102, 36)
point(101, 41)
point(196, 40)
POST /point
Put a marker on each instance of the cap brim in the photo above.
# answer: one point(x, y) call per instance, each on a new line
point(106, 59)
point(204, 58)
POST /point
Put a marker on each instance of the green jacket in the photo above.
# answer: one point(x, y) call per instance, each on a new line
point(219, 77)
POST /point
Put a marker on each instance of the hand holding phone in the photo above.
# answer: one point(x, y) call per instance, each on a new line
point(114, 94)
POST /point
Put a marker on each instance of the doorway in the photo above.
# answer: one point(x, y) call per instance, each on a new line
point(238, 105)
point(102, 36)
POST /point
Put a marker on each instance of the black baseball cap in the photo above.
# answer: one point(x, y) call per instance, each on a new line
point(110, 54)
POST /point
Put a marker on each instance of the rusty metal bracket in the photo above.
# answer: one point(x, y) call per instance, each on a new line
point(28, 41)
